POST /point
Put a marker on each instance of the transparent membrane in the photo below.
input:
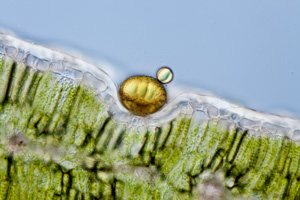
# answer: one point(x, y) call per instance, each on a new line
point(201, 107)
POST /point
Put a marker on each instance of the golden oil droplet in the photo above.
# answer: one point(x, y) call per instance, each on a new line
point(164, 75)
point(142, 95)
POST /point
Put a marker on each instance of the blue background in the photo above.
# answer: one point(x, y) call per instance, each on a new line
point(247, 52)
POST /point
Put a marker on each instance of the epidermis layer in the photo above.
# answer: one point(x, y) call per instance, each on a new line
point(64, 135)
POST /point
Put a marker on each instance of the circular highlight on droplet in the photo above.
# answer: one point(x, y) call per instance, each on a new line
point(164, 75)
point(142, 95)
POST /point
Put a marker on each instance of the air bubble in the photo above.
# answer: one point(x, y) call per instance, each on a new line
point(164, 75)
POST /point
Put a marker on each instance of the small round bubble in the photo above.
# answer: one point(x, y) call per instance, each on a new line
point(164, 75)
